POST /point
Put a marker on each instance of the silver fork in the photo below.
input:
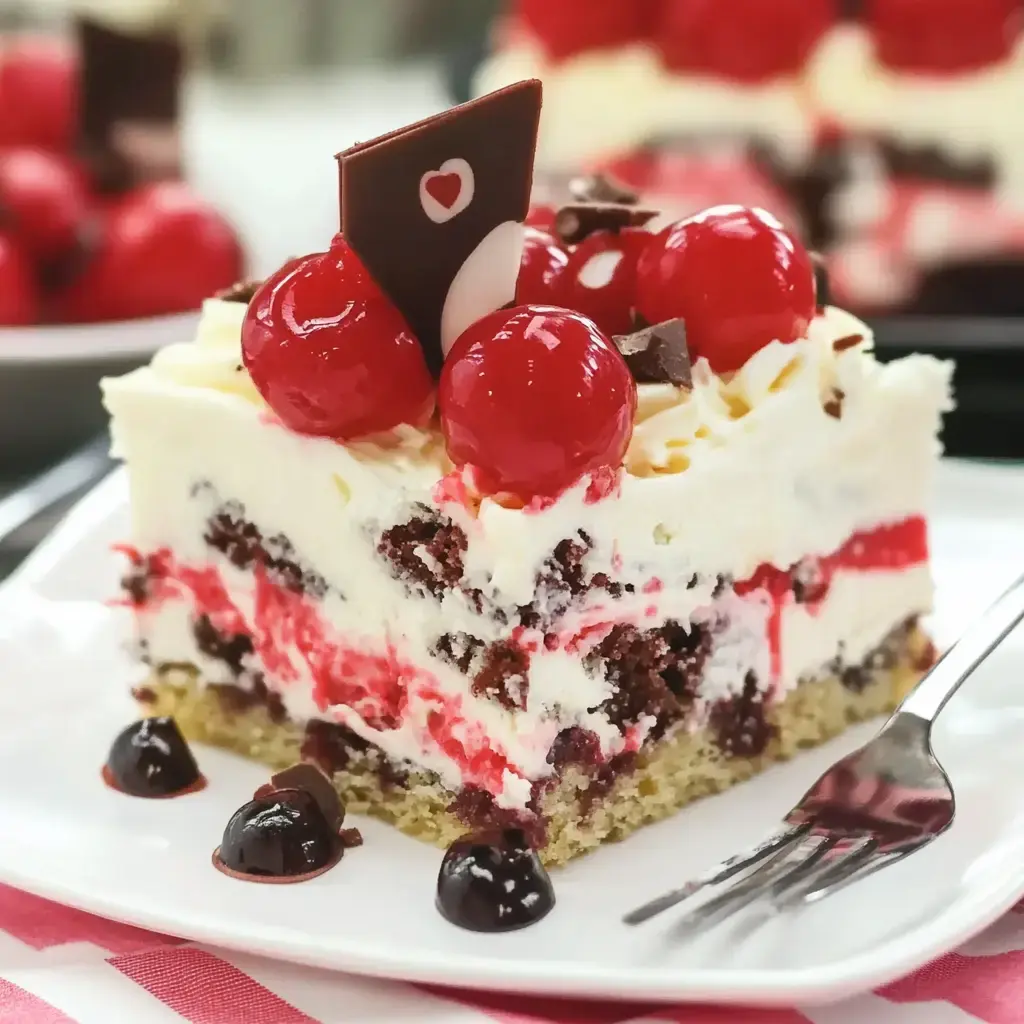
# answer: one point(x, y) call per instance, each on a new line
point(873, 808)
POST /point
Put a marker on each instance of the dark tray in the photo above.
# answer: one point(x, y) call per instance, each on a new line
point(989, 379)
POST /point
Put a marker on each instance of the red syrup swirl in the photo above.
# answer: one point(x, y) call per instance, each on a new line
point(291, 640)
point(890, 547)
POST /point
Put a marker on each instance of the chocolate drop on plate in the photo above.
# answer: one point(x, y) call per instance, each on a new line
point(493, 881)
point(281, 834)
point(151, 758)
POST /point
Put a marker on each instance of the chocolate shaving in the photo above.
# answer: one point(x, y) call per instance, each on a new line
point(308, 777)
point(241, 291)
point(850, 341)
point(834, 406)
point(417, 204)
point(658, 354)
point(822, 288)
point(576, 221)
point(601, 188)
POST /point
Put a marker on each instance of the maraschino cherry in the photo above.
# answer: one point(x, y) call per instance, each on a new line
point(737, 277)
point(330, 353)
point(162, 249)
point(19, 299)
point(38, 94)
point(568, 27)
point(533, 398)
point(43, 199)
point(600, 278)
point(747, 40)
point(942, 36)
point(544, 259)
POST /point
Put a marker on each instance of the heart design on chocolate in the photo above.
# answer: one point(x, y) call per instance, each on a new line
point(446, 192)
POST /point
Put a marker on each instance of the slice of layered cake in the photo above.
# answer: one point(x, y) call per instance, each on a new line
point(485, 562)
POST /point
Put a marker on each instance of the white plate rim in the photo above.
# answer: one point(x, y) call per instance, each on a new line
point(93, 343)
point(892, 959)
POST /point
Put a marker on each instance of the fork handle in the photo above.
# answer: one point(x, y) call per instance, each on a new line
point(930, 695)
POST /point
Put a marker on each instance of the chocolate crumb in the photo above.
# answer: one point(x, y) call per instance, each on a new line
point(658, 354)
point(350, 838)
point(240, 291)
point(425, 551)
point(601, 188)
point(458, 650)
point(740, 724)
point(851, 340)
point(577, 221)
point(834, 405)
point(504, 677)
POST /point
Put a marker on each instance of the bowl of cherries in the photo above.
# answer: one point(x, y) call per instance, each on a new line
point(92, 281)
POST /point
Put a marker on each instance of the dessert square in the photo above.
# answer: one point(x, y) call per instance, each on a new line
point(613, 572)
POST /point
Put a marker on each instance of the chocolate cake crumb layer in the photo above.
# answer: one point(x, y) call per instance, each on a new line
point(443, 543)
point(588, 801)
point(244, 545)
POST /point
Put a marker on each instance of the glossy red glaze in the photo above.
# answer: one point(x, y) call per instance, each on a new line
point(19, 297)
point(161, 249)
point(943, 36)
point(600, 278)
point(540, 273)
point(534, 398)
point(738, 278)
point(746, 40)
point(43, 200)
point(330, 353)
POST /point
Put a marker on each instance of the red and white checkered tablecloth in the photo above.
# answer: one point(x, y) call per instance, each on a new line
point(61, 966)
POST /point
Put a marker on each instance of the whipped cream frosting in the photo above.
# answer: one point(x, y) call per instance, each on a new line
point(601, 103)
point(736, 472)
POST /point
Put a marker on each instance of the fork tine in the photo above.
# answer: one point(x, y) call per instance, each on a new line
point(722, 872)
point(868, 867)
point(846, 863)
point(773, 876)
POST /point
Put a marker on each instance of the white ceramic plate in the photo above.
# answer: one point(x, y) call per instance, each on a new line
point(94, 343)
point(68, 837)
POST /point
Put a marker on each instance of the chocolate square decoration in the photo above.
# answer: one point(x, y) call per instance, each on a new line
point(129, 104)
point(435, 211)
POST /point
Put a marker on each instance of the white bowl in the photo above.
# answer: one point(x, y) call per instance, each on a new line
point(49, 376)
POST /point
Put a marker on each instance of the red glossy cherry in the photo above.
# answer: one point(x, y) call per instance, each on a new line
point(738, 278)
point(747, 40)
point(330, 353)
point(942, 35)
point(600, 279)
point(38, 94)
point(161, 250)
point(544, 259)
point(535, 397)
point(43, 200)
point(19, 298)
point(568, 27)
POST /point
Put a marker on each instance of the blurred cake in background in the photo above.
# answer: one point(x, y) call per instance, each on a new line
point(884, 130)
